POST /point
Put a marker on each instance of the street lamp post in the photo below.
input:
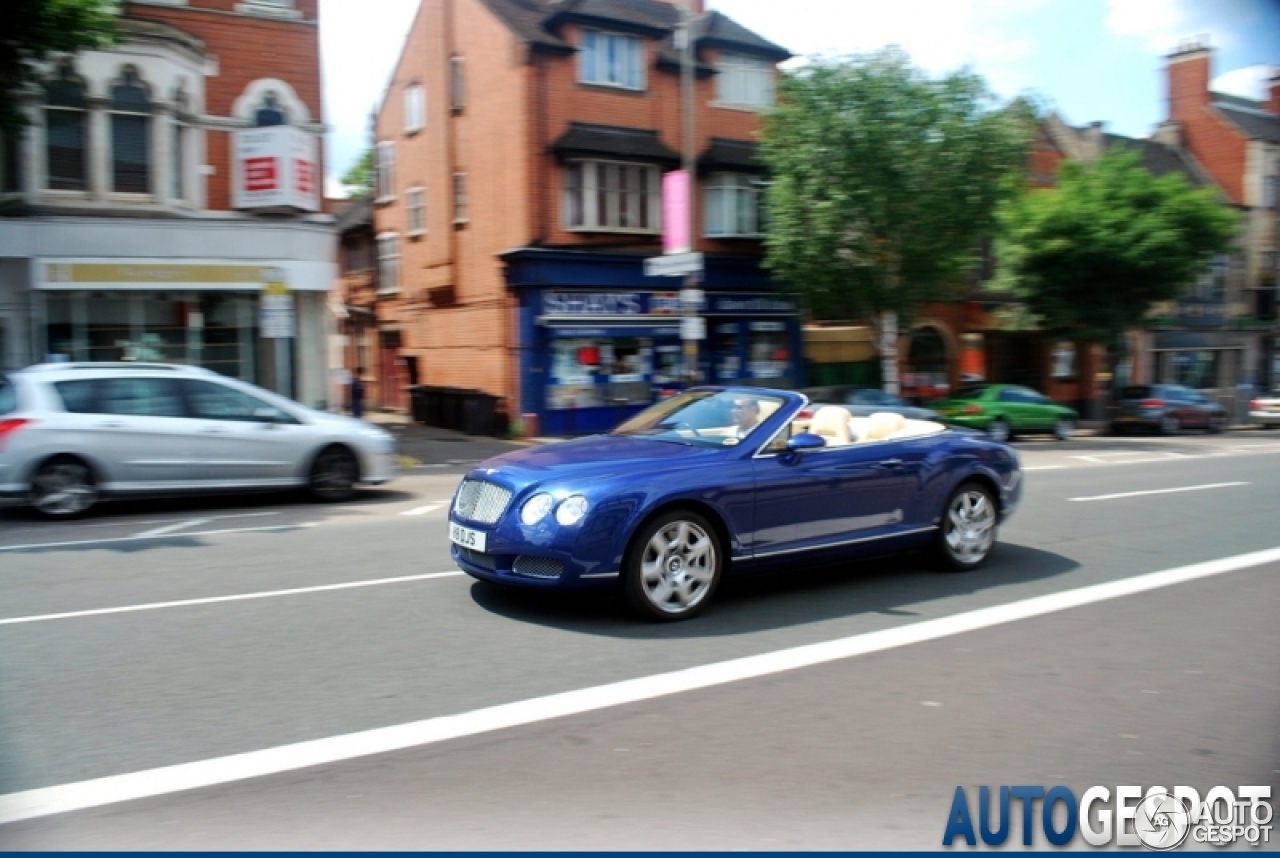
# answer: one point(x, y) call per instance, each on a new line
point(688, 331)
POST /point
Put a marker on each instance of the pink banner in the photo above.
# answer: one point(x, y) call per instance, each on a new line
point(675, 212)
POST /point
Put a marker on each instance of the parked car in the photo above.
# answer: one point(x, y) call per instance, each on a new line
point(1164, 408)
point(1265, 409)
point(74, 433)
point(687, 492)
point(1006, 410)
point(865, 401)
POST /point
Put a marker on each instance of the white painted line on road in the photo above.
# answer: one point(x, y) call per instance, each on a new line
point(82, 542)
point(170, 528)
point(239, 597)
point(47, 801)
point(1159, 491)
point(422, 510)
point(1045, 468)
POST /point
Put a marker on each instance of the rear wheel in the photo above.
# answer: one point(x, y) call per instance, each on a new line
point(673, 567)
point(968, 530)
point(1218, 424)
point(999, 430)
point(333, 475)
point(63, 487)
point(1169, 425)
point(1064, 428)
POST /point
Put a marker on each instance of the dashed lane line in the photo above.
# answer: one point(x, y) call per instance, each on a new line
point(113, 789)
point(79, 543)
point(1160, 491)
point(170, 528)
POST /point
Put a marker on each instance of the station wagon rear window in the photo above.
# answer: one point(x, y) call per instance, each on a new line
point(8, 396)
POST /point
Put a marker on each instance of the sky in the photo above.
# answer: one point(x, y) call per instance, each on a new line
point(1091, 60)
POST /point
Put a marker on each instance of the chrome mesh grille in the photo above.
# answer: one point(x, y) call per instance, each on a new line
point(481, 501)
point(537, 567)
point(478, 558)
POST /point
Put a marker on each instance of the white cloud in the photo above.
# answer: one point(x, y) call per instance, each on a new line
point(1248, 82)
point(1161, 25)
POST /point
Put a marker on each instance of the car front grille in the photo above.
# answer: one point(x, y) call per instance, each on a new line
point(537, 567)
point(478, 558)
point(481, 501)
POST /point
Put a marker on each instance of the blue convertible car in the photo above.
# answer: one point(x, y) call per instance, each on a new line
point(725, 480)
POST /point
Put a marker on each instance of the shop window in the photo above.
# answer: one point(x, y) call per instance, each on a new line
point(611, 59)
point(130, 135)
point(66, 128)
point(610, 195)
point(744, 81)
point(732, 206)
point(728, 358)
point(269, 111)
point(768, 354)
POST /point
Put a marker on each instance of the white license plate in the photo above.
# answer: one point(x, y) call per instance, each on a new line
point(466, 537)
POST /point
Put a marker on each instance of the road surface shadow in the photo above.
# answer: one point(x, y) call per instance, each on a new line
point(800, 596)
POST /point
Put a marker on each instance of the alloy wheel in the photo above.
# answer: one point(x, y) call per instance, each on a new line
point(969, 526)
point(1063, 429)
point(999, 430)
point(63, 489)
point(333, 475)
point(677, 568)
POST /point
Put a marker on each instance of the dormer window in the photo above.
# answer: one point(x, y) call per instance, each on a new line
point(611, 59)
point(744, 81)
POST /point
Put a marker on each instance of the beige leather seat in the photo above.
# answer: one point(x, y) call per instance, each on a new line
point(883, 425)
point(832, 423)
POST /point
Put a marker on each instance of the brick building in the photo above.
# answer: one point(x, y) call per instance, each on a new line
point(163, 184)
point(521, 147)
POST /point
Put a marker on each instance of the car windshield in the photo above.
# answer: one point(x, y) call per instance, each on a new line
point(973, 392)
point(705, 418)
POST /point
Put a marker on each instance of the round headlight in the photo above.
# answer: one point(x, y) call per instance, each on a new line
point(571, 510)
point(535, 509)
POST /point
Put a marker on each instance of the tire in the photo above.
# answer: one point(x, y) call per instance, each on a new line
point(673, 567)
point(999, 430)
point(1169, 425)
point(1064, 428)
point(63, 488)
point(968, 528)
point(333, 475)
point(1217, 424)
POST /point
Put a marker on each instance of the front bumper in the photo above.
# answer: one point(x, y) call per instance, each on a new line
point(543, 557)
point(1265, 418)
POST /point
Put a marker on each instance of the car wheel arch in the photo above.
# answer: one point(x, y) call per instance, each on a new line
point(325, 447)
point(977, 476)
point(702, 508)
point(96, 469)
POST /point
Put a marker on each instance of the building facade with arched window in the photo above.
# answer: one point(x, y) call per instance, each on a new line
point(163, 187)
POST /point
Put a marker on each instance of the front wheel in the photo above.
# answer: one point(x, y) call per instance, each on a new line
point(63, 488)
point(1170, 426)
point(968, 530)
point(333, 475)
point(1064, 428)
point(673, 567)
point(999, 430)
point(1217, 424)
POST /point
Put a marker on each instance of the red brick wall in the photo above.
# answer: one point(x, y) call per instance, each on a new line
point(1213, 142)
point(247, 48)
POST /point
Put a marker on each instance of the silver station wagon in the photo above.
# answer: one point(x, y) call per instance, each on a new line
point(71, 434)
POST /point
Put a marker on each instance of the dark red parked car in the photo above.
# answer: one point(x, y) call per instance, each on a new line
point(1164, 408)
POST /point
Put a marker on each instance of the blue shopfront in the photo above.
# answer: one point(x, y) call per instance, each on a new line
point(599, 340)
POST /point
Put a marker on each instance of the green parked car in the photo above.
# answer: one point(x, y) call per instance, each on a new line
point(1005, 410)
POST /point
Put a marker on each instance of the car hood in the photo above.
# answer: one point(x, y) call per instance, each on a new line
point(595, 457)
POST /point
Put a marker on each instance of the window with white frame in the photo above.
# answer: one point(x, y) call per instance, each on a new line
point(66, 133)
point(744, 81)
point(732, 206)
point(388, 263)
point(611, 195)
point(130, 135)
point(611, 59)
point(457, 84)
point(460, 214)
point(415, 109)
point(414, 204)
point(384, 168)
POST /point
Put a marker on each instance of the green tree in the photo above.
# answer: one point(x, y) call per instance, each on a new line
point(883, 183)
point(31, 30)
point(358, 181)
point(1092, 254)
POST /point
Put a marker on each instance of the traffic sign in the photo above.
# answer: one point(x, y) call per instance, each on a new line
point(673, 265)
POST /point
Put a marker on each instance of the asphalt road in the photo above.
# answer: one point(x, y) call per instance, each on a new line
point(216, 636)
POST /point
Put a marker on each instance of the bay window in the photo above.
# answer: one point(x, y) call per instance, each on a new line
point(610, 195)
point(732, 206)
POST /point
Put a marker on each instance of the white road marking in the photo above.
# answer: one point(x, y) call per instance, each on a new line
point(1045, 468)
point(240, 597)
point(113, 789)
point(422, 510)
point(128, 523)
point(170, 528)
point(108, 541)
point(1159, 491)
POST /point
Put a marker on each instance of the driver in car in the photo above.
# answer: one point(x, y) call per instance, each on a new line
point(746, 415)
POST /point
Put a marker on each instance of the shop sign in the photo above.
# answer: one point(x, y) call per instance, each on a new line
point(750, 305)
point(274, 167)
point(1201, 312)
point(620, 304)
point(147, 274)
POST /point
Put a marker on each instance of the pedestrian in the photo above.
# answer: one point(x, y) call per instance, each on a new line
point(356, 394)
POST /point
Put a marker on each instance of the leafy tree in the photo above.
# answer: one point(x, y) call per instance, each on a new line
point(883, 183)
point(31, 30)
point(358, 181)
point(1090, 255)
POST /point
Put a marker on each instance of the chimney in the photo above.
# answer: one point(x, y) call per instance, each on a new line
point(1187, 79)
point(1273, 92)
point(1094, 141)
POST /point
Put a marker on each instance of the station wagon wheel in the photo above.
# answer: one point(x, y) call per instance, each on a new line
point(999, 430)
point(1218, 424)
point(333, 475)
point(63, 487)
point(968, 528)
point(673, 566)
point(1063, 428)
point(1170, 425)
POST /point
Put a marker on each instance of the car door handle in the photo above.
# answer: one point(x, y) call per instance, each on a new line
point(109, 424)
point(890, 463)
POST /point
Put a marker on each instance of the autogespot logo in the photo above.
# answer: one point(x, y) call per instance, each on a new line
point(1158, 819)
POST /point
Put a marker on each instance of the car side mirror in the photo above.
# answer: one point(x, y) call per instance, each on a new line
point(802, 442)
